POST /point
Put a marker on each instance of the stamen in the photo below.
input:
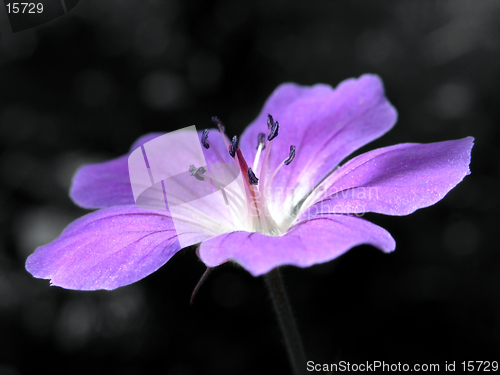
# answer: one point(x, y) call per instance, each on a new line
point(251, 177)
point(196, 172)
point(222, 129)
point(260, 146)
point(287, 161)
point(261, 141)
point(258, 200)
point(273, 132)
point(204, 138)
point(273, 127)
point(271, 124)
point(219, 124)
point(270, 121)
point(291, 156)
point(206, 143)
point(251, 191)
point(233, 147)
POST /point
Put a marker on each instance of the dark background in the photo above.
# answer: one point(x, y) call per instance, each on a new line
point(83, 87)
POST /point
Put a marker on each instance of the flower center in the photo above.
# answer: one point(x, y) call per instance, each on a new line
point(256, 182)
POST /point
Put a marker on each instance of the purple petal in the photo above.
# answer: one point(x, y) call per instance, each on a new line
point(108, 248)
point(306, 243)
point(103, 184)
point(143, 139)
point(396, 180)
point(324, 124)
point(107, 184)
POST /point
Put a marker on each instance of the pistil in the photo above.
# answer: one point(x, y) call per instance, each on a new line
point(252, 189)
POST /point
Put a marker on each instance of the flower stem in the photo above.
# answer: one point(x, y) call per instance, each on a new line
point(287, 323)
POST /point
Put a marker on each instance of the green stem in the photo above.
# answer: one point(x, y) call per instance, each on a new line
point(287, 323)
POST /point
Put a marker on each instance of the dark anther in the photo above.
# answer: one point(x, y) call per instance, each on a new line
point(261, 139)
point(291, 156)
point(270, 121)
point(204, 138)
point(197, 172)
point(219, 124)
point(251, 177)
point(234, 145)
point(273, 133)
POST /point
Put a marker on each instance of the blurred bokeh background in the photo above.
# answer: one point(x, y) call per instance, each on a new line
point(83, 87)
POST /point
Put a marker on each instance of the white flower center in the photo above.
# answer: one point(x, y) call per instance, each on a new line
point(257, 181)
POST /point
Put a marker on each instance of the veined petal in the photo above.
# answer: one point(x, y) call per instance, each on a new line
point(395, 180)
point(102, 184)
point(107, 184)
point(324, 124)
point(109, 248)
point(308, 242)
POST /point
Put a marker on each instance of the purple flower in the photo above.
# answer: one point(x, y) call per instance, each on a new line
point(310, 203)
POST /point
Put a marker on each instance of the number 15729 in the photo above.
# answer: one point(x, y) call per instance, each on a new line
point(24, 8)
